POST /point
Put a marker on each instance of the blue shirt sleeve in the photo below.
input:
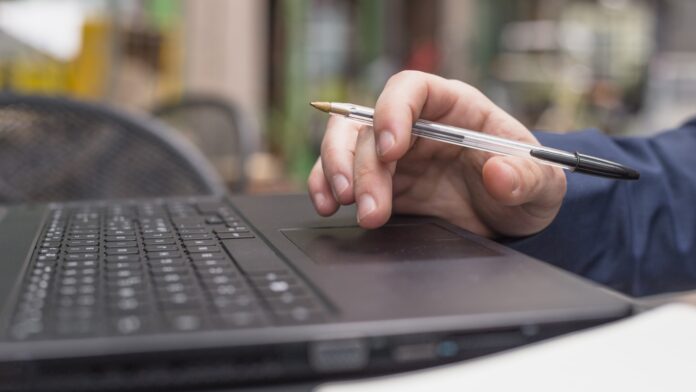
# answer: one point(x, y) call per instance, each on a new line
point(638, 237)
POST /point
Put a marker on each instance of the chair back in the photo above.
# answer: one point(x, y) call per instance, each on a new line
point(217, 127)
point(59, 149)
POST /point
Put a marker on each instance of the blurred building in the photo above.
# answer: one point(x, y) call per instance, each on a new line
point(623, 66)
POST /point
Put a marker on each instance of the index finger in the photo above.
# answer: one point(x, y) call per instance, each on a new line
point(410, 95)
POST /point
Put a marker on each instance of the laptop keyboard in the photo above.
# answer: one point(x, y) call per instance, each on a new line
point(152, 267)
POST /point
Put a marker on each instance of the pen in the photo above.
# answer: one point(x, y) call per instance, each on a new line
point(575, 161)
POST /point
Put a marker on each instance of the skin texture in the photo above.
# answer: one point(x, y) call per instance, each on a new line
point(387, 170)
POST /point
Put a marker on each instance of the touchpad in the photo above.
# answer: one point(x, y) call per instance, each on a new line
point(402, 243)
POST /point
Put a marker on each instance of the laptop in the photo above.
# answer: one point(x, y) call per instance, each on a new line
point(240, 290)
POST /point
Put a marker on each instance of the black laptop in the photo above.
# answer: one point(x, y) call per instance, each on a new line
point(198, 292)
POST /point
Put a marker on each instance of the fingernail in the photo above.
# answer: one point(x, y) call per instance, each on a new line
point(319, 199)
point(385, 142)
point(340, 184)
point(366, 204)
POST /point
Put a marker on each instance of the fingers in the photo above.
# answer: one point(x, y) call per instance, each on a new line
point(411, 95)
point(372, 182)
point(369, 179)
point(397, 108)
point(320, 191)
point(337, 155)
point(514, 181)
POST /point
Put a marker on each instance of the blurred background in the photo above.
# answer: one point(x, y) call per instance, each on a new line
point(627, 67)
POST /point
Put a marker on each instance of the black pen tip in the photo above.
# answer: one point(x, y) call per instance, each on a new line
point(632, 174)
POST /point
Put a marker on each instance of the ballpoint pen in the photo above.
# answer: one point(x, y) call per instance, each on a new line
point(575, 161)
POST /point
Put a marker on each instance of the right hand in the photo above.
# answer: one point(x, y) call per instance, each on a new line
point(389, 170)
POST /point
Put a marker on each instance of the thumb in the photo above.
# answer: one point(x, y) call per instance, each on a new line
point(514, 181)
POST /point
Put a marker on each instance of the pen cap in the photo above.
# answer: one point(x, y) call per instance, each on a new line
point(582, 163)
point(604, 168)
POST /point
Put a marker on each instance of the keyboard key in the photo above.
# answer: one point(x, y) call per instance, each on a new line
point(288, 301)
point(278, 284)
point(75, 327)
point(206, 256)
point(163, 279)
point(252, 255)
point(129, 324)
point(122, 273)
point(123, 259)
point(155, 230)
point(184, 321)
point(234, 229)
point(213, 220)
point(180, 301)
point(83, 243)
point(209, 272)
point(47, 257)
point(121, 251)
point(121, 266)
point(131, 281)
point(200, 243)
point(56, 244)
point(214, 280)
point(240, 302)
point(243, 319)
point(222, 290)
point(121, 244)
point(194, 231)
point(203, 249)
point(84, 231)
point(159, 248)
point(210, 207)
point(231, 236)
point(111, 233)
point(217, 262)
point(169, 269)
point(187, 237)
point(130, 305)
point(157, 236)
point(269, 276)
point(170, 288)
point(79, 271)
point(163, 255)
point(84, 237)
point(159, 241)
point(80, 256)
point(82, 249)
point(167, 262)
point(119, 238)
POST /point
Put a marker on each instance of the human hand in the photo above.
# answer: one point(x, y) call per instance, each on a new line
point(388, 169)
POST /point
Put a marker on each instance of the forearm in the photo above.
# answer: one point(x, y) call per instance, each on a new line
point(639, 236)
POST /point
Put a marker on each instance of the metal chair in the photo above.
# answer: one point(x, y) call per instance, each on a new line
point(59, 149)
point(217, 127)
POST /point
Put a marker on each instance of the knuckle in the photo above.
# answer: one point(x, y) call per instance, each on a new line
point(404, 76)
point(330, 154)
point(466, 88)
point(362, 172)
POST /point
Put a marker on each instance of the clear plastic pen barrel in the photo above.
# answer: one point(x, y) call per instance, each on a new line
point(462, 137)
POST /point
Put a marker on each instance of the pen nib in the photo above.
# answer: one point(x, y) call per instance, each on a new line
point(323, 106)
